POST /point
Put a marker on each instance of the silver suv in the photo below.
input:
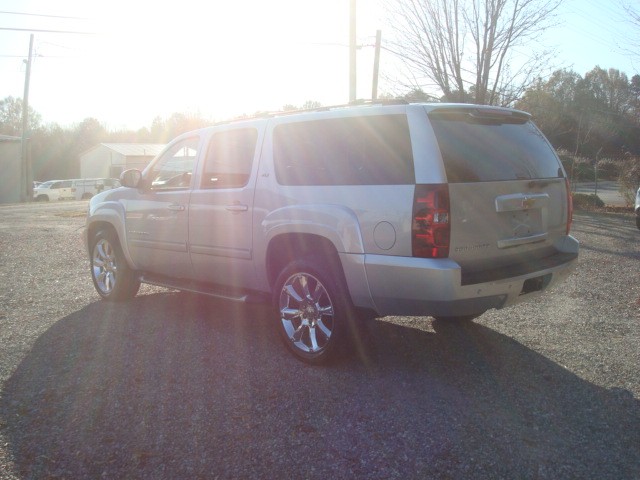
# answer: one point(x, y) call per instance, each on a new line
point(344, 214)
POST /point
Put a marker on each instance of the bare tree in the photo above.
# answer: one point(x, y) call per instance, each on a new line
point(632, 17)
point(466, 48)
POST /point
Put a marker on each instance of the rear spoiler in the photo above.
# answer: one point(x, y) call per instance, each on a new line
point(473, 114)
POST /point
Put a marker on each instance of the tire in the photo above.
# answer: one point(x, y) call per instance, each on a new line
point(112, 277)
point(638, 221)
point(313, 310)
point(42, 198)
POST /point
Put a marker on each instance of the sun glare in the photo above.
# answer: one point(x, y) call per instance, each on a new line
point(217, 59)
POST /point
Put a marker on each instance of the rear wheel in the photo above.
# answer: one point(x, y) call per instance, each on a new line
point(313, 310)
point(111, 275)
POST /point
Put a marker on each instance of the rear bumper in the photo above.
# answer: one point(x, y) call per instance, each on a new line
point(416, 286)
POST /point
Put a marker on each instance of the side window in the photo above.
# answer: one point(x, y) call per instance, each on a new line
point(56, 185)
point(229, 158)
point(65, 184)
point(175, 168)
point(364, 150)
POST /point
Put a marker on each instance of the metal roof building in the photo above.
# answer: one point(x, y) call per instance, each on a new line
point(109, 160)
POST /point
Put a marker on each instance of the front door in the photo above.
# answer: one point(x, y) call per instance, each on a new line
point(157, 219)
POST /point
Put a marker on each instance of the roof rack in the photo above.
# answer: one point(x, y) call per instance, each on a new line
point(325, 108)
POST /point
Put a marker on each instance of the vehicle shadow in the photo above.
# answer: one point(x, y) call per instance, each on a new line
point(179, 386)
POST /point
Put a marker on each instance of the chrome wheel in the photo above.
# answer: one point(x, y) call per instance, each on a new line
point(307, 313)
point(111, 275)
point(104, 266)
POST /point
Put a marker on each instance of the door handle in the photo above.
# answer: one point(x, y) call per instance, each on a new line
point(176, 208)
point(237, 207)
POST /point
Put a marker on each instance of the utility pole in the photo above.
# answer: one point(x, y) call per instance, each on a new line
point(376, 66)
point(352, 51)
point(26, 188)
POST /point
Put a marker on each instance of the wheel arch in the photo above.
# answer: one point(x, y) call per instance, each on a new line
point(109, 217)
point(286, 247)
point(297, 230)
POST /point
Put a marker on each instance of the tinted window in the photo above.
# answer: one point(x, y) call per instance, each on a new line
point(229, 158)
point(371, 150)
point(484, 149)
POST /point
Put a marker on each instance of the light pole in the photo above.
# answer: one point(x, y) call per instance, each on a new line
point(26, 189)
point(352, 51)
point(376, 66)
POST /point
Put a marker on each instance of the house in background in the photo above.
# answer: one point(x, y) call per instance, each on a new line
point(109, 160)
point(10, 168)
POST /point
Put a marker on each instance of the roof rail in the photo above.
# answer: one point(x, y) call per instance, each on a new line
point(323, 108)
point(378, 101)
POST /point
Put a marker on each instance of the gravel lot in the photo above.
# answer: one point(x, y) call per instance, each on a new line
point(173, 386)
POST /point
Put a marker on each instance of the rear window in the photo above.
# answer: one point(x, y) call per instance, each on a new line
point(490, 147)
point(367, 150)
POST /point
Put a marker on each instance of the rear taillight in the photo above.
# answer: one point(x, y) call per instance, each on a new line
point(569, 206)
point(430, 232)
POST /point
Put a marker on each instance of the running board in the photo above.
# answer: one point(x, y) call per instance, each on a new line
point(203, 288)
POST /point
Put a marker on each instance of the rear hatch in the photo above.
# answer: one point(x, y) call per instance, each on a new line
point(509, 209)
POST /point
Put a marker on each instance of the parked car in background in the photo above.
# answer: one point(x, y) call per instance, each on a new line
point(54, 190)
point(637, 208)
point(73, 189)
point(85, 188)
point(344, 214)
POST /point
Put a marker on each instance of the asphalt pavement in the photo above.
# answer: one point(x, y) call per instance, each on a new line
point(607, 190)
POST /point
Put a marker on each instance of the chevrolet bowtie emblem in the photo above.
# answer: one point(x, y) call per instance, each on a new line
point(527, 203)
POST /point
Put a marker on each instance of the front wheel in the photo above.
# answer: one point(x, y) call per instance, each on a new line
point(313, 310)
point(111, 275)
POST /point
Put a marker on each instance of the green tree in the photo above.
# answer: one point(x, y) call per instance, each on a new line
point(11, 117)
point(597, 113)
point(50, 153)
point(553, 105)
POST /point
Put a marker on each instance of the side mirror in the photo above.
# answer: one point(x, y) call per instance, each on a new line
point(131, 178)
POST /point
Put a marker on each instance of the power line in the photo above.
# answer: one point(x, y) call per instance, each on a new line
point(45, 31)
point(42, 15)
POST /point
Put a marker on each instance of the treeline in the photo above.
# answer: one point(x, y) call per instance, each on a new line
point(597, 115)
point(55, 151)
point(588, 117)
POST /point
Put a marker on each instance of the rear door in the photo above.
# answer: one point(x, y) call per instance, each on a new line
point(220, 211)
point(508, 193)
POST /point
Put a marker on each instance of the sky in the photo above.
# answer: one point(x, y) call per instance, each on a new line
point(128, 62)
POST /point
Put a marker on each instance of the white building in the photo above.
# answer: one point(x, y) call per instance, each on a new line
point(109, 160)
point(11, 176)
